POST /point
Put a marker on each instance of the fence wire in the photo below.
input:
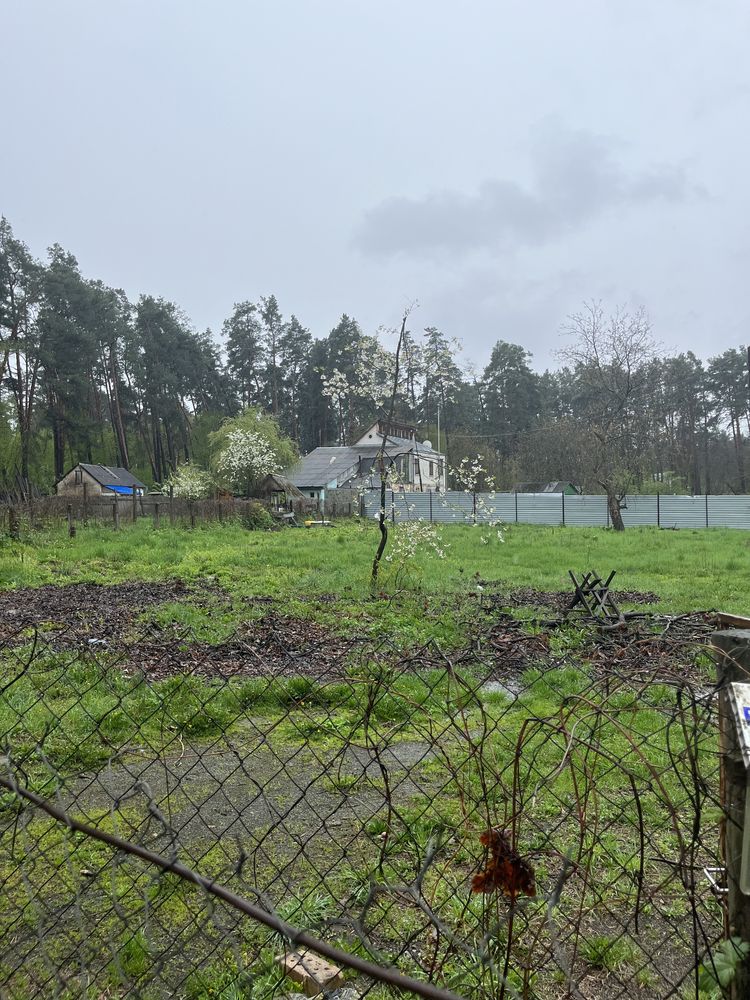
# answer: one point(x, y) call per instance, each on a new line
point(529, 814)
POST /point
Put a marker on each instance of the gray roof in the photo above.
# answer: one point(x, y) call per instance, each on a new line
point(112, 475)
point(558, 486)
point(341, 463)
point(323, 465)
point(399, 446)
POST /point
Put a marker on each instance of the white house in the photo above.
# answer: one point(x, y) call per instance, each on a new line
point(419, 466)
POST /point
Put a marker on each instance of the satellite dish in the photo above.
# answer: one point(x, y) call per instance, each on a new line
point(427, 444)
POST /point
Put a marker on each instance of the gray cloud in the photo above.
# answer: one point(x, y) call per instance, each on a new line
point(575, 179)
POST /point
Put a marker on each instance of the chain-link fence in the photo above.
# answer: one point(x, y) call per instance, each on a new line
point(533, 812)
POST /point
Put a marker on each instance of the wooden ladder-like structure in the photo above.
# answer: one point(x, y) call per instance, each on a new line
point(593, 594)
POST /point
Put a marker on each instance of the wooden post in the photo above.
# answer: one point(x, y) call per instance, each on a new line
point(135, 504)
point(732, 652)
point(13, 529)
point(192, 515)
point(116, 515)
point(171, 505)
point(156, 515)
point(85, 504)
point(71, 522)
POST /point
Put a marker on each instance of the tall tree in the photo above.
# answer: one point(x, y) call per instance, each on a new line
point(294, 353)
point(272, 325)
point(511, 394)
point(20, 358)
point(112, 321)
point(728, 378)
point(611, 357)
point(246, 356)
point(68, 352)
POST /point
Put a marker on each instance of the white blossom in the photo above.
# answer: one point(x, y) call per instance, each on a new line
point(190, 482)
point(247, 456)
point(411, 537)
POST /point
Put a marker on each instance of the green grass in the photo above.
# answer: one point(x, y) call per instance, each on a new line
point(83, 712)
point(688, 569)
point(623, 736)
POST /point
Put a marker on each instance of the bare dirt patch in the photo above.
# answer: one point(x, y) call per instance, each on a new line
point(84, 610)
point(273, 646)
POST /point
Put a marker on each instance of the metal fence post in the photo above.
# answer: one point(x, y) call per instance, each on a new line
point(707, 510)
point(135, 502)
point(171, 505)
point(156, 515)
point(515, 494)
point(85, 504)
point(116, 515)
point(430, 506)
point(658, 510)
point(732, 652)
point(71, 522)
point(393, 509)
point(562, 504)
point(474, 507)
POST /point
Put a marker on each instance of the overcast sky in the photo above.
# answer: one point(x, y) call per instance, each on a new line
point(497, 161)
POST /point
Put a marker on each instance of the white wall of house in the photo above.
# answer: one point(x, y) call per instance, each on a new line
point(432, 471)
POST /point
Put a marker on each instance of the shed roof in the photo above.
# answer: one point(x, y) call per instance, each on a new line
point(556, 486)
point(112, 475)
point(275, 482)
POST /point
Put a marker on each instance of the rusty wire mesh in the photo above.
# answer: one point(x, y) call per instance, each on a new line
point(349, 787)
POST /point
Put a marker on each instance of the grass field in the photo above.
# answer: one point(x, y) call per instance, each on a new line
point(688, 570)
point(401, 751)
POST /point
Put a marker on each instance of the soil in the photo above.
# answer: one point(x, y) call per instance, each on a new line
point(84, 610)
point(272, 646)
point(105, 620)
point(558, 600)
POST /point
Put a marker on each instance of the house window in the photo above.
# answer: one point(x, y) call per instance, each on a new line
point(78, 477)
point(312, 495)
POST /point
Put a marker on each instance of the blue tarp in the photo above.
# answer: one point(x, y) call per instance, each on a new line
point(127, 490)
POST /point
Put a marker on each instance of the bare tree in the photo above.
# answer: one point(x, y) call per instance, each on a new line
point(610, 357)
point(382, 460)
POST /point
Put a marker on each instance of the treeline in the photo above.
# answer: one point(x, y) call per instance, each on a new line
point(87, 375)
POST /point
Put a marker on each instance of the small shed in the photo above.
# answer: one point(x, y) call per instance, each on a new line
point(281, 493)
point(557, 486)
point(99, 480)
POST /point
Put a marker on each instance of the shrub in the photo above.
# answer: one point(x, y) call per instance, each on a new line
point(255, 517)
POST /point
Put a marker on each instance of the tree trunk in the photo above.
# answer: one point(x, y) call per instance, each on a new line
point(615, 514)
point(118, 424)
point(737, 432)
